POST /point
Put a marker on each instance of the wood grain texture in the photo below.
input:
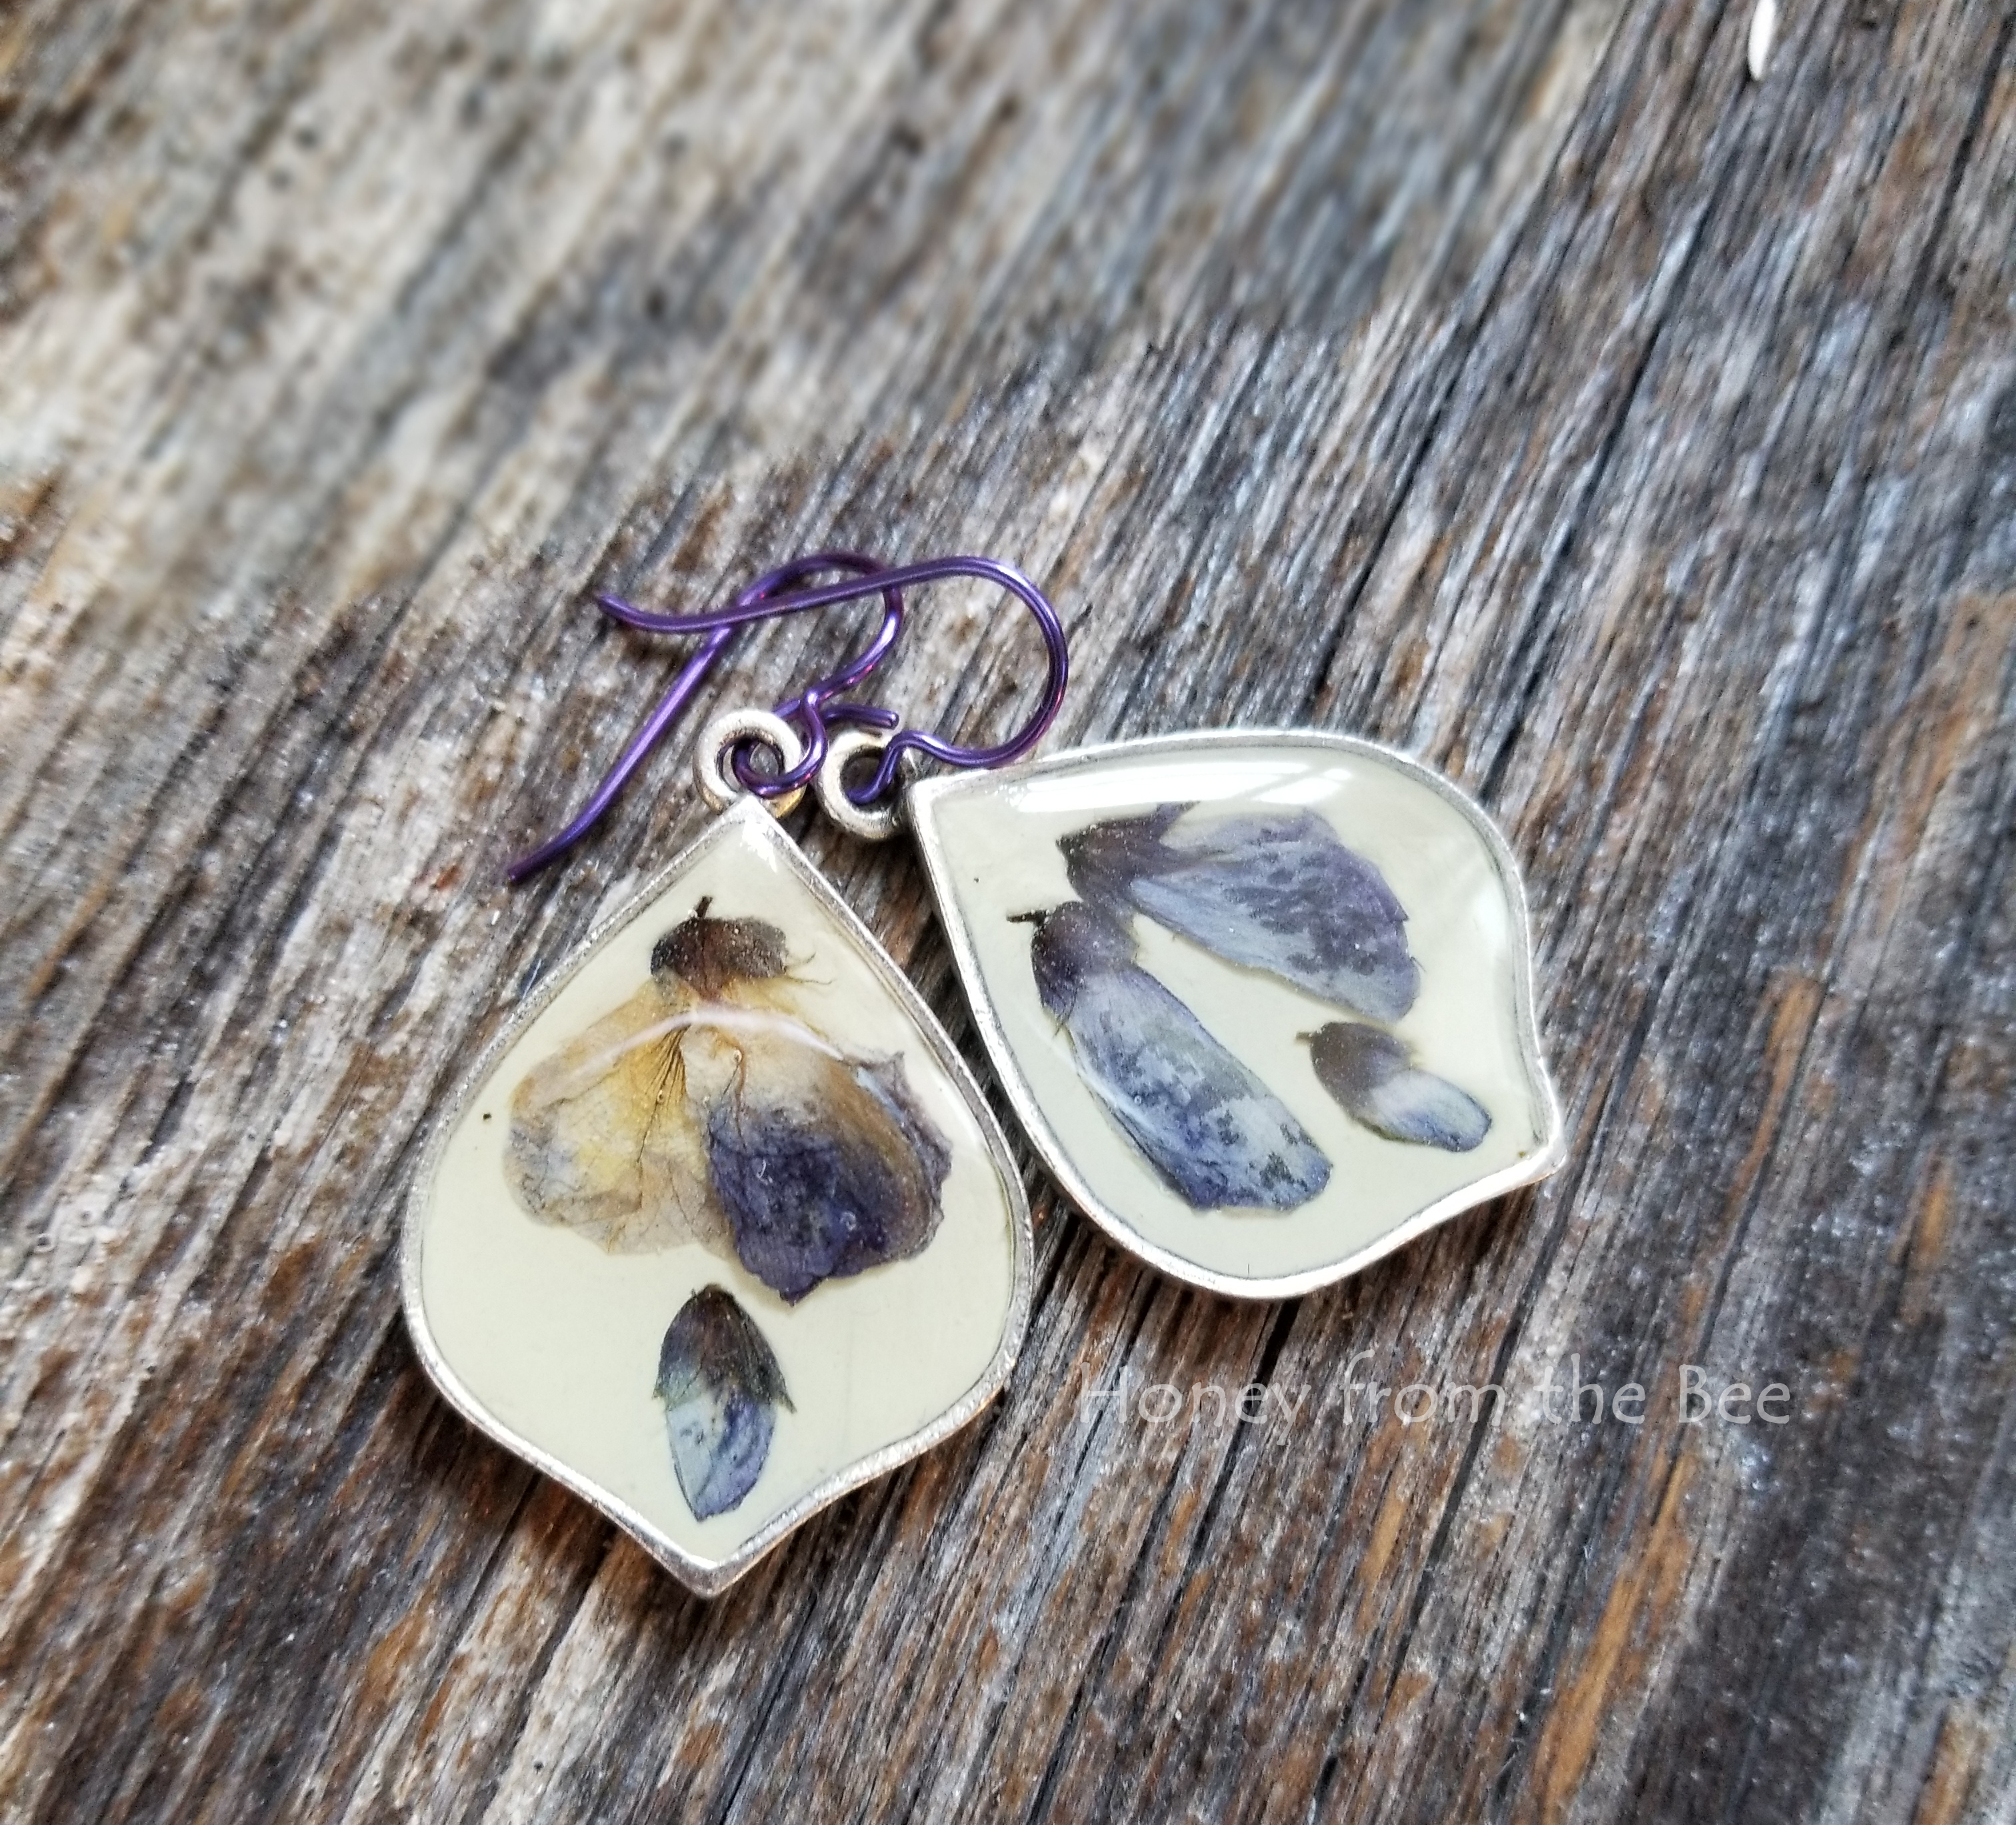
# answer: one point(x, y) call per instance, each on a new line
point(1513, 380)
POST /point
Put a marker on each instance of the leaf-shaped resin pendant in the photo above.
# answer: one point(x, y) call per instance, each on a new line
point(721, 1226)
point(1262, 1000)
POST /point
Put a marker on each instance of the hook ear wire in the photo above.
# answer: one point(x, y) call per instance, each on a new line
point(910, 741)
point(819, 704)
point(768, 598)
point(632, 758)
point(816, 705)
point(1057, 653)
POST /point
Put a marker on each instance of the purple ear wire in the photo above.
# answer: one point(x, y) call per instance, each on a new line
point(819, 705)
point(913, 741)
point(811, 703)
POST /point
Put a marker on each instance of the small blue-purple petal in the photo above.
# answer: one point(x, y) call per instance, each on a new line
point(720, 1387)
point(1212, 1130)
point(1372, 1076)
point(1273, 891)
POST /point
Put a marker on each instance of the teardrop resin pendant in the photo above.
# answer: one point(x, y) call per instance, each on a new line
point(1263, 1000)
point(721, 1226)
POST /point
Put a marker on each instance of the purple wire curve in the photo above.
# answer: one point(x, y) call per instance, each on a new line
point(811, 703)
point(618, 776)
point(904, 577)
point(820, 705)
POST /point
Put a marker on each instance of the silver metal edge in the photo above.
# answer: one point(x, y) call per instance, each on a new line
point(921, 800)
point(707, 1578)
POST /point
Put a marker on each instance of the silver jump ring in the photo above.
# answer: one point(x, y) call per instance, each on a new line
point(871, 823)
point(723, 736)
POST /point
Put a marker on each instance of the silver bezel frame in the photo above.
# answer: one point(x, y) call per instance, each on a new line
point(924, 796)
point(704, 1577)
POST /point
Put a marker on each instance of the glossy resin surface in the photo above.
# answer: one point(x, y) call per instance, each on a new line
point(720, 1227)
point(1263, 1000)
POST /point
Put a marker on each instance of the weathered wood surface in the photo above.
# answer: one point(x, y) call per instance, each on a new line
point(1511, 379)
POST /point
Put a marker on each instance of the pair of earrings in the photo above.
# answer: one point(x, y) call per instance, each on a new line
point(721, 1226)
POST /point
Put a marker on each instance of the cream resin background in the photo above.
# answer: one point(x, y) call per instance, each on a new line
point(993, 848)
point(558, 1340)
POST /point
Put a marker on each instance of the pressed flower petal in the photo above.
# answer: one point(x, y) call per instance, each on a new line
point(1273, 891)
point(1373, 1077)
point(720, 1386)
point(1216, 1135)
